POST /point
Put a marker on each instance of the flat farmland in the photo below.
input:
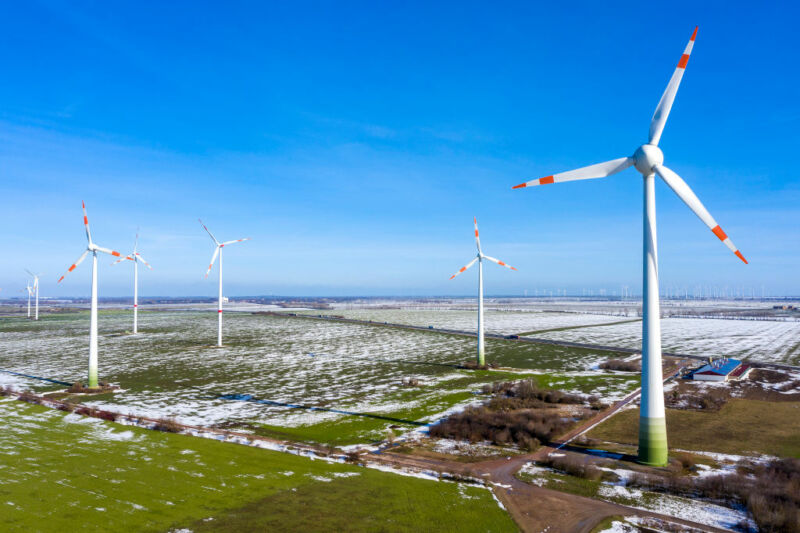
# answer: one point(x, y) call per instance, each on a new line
point(62, 469)
point(171, 370)
point(768, 341)
point(495, 321)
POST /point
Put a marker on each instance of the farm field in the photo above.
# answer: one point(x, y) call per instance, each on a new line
point(102, 475)
point(741, 427)
point(776, 342)
point(500, 322)
point(171, 371)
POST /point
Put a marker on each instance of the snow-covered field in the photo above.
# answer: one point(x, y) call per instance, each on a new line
point(501, 322)
point(757, 340)
point(170, 369)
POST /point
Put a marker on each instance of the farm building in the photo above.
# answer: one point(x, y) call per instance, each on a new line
point(723, 369)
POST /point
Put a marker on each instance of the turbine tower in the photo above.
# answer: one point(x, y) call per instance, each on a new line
point(30, 293)
point(479, 258)
point(648, 160)
point(35, 290)
point(218, 251)
point(137, 258)
point(93, 248)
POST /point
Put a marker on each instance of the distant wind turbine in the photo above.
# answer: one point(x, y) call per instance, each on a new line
point(137, 258)
point(93, 248)
point(36, 291)
point(480, 257)
point(648, 159)
point(218, 251)
point(30, 293)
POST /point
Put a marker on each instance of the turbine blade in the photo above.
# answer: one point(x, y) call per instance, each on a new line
point(213, 258)
point(107, 251)
point(659, 119)
point(600, 170)
point(209, 232)
point(86, 223)
point(121, 259)
point(140, 258)
point(498, 262)
point(74, 265)
point(477, 239)
point(136, 241)
point(29, 272)
point(688, 196)
point(237, 240)
point(464, 268)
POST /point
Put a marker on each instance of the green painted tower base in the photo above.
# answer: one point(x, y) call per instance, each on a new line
point(653, 441)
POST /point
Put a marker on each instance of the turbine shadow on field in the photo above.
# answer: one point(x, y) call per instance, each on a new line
point(251, 399)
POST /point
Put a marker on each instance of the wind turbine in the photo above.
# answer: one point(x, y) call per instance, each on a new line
point(479, 258)
point(36, 291)
point(648, 159)
point(93, 248)
point(218, 251)
point(30, 293)
point(137, 258)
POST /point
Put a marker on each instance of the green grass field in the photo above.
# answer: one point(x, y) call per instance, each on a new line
point(741, 427)
point(60, 470)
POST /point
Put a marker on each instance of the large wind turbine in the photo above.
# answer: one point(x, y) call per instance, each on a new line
point(648, 159)
point(479, 258)
point(137, 258)
point(93, 248)
point(218, 251)
point(35, 290)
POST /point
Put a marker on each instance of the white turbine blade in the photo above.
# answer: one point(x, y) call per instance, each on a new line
point(140, 258)
point(464, 268)
point(477, 239)
point(688, 196)
point(86, 223)
point(209, 232)
point(31, 273)
point(498, 262)
point(74, 265)
point(659, 119)
point(600, 170)
point(107, 251)
point(121, 259)
point(213, 258)
point(136, 241)
point(237, 240)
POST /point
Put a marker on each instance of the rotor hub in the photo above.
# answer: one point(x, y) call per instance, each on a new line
point(646, 157)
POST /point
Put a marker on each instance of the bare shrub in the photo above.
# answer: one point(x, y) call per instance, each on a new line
point(170, 425)
point(7, 390)
point(106, 415)
point(410, 382)
point(29, 396)
point(771, 491)
point(66, 406)
point(581, 467)
point(526, 394)
point(623, 366)
point(526, 428)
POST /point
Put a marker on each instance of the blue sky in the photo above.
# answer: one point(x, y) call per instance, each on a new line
point(354, 142)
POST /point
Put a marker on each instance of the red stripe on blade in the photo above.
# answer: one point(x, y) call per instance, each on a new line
point(740, 256)
point(694, 34)
point(719, 233)
point(684, 61)
point(547, 180)
point(520, 186)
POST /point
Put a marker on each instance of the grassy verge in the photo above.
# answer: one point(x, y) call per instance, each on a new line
point(741, 427)
point(59, 470)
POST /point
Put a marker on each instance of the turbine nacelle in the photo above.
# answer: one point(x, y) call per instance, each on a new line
point(647, 157)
